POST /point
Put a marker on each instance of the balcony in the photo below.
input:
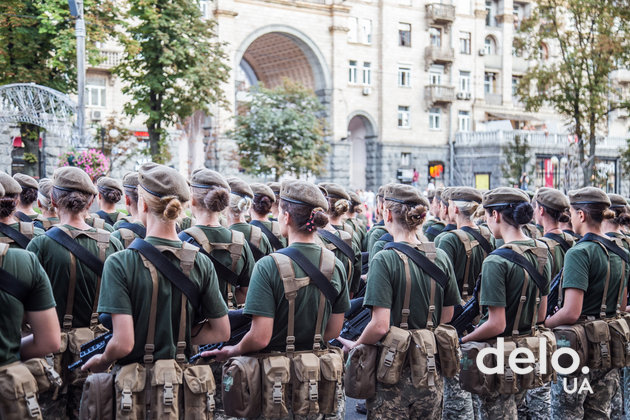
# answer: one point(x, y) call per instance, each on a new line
point(621, 75)
point(519, 65)
point(493, 99)
point(109, 59)
point(439, 94)
point(439, 55)
point(440, 13)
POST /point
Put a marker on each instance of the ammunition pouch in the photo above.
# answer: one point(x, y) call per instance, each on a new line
point(360, 376)
point(18, 393)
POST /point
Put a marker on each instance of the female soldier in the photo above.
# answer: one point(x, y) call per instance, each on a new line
point(404, 211)
point(586, 268)
point(502, 282)
point(25, 211)
point(434, 227)
point(210, 196)
point(128, 284)
point(49, 216)
point(110, 192)
point(378, 229)
point(300, 215)
point(131, 227)
point(241, 196)
point(264, 199)
point(8, 220)
point(356, 208)
point(275, 187)
point(75, 286)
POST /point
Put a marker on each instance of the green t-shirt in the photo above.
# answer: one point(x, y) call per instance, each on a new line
point(186, 223)
point(356, 237)
point(454, 248)
point(127, 289)
point(501, 286)
point(374, 235)
point(25, 267)
point(264, 246)
point(386, 285)
point(56, 262)
point(265, 297)
point(355, 282)
point(269, 225)
point(434, 223)
point(585, 268)
point(36, 232)
point(118, 235)
point(360, 231)
point(558, 252)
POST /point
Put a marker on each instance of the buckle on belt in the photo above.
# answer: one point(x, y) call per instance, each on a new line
point(389, 357)
point(168, 394)
point(431, 367)
point(125, 402)
point(509, 375)
point(276, 394)
point(290, 343)
point(67, 322)
point(32, 405)
point(210, 402)
point(312, 390)
point(604, 348)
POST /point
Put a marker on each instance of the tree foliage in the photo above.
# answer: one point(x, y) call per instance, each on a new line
point(281, 132)
point(591, 41)
point(517, 155)
point(173, 65)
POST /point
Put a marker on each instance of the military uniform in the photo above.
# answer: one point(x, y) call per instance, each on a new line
point(374, 234)
point(432, 228)
point(353, 267)
point(27, 229)
point(97, 222)
point(125, 236)
point(263, 245)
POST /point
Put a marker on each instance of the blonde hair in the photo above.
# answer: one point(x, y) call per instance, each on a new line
point(466, 208)
point(409, 217)
point(239, 204)
point(168, 208)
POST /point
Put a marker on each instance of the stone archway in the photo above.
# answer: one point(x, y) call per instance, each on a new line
point(361, 131)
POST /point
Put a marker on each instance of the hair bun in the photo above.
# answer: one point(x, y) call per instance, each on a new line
point(523, 213)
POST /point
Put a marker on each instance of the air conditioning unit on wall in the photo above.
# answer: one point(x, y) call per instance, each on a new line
point(482, 52)
point(460, 95)
point(96, 115)
point(367, 90)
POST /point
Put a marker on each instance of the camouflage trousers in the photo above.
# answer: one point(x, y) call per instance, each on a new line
point(536, 404)
point(458, 404)
point(499, 406)
point(565, 406)
point(404, 401)
point(617, 403)
point(64, 405)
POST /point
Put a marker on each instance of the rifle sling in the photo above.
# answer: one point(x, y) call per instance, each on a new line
point(313, 272)
point(559, 239)
point(139, 230)
point(483, 242)
point(338, 243)
point(85, 256)
point(103, 215)
point(421, 261)
point(524, 263)
point(275, 242)
point(387, 237)
point(256, 252)
point(17, 236)
point(223, 272)
point(432, 230)
point(23, 217)
point(10, 284)
point(609, 245)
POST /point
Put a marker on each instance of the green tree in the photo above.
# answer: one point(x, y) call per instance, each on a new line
point(173, 65)
point(281, 132)
point(517, 155)
point(592, 41)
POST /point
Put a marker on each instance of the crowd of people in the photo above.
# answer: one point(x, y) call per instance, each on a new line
point(131, 296)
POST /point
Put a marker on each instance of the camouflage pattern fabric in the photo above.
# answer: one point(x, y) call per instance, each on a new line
point(404, 401)
point(625, 386)
point(64, 405)
point(584, 405)
point(616, 405)
point(536, 404)
point(458, 404)
point(497, 406)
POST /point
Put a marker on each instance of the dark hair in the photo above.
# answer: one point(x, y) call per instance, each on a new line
point(305, 218)
point(73, 201)
point(28, 196)
point(337, 207)
point(557, 215)
point(514, 214)
point(132, 193)
point(596, 212)
point(261, 204)
point(8, 204)
point(410, 217)
point(110, 195)
point(215, 199)
point(622, 217)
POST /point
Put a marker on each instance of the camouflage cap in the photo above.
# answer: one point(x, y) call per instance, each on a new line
point(263, 190)
point(26, 181)
point(404, 194)
point(354, 197)
point(304, 193)
point(162, 181)
point(207, 178)
point(465, 194)
point(617, 201)
point(275, 187)
point(239, 187)
point(588, 195)
point(504, 196)
point(71, 178)
point(109, 183)
point(552, 198)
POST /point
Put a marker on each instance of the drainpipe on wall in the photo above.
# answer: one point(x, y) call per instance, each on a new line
point(451, 171)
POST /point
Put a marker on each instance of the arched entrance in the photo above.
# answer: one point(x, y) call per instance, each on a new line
point(360, 131)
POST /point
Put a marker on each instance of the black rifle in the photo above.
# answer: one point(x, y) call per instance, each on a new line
point(239, 324)
point(357, 319)
point(96, 346)
point(464, 316)
point(554, 293)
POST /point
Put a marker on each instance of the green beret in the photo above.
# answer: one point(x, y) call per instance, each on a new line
point(335, 191)
point(304, 193)
point(162, 181)
point(10, 185)
point(263, 190)
point(404, 194)
point(45, 185)
point(617, 201)
point(552, 198)
point(71, 178)
point(438, 193)
point(354, 197)
point(207, 178)
point(381, 191)
point(26, 181)
point(588, 195)
point(431, 194)
point(130, 180)
point(239, 187)
point(504, 196)
point(275, 187)
point(465, 194)
point(446, 195)
point(109, 184)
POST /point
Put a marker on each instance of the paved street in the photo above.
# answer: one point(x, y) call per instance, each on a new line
point(351, 413)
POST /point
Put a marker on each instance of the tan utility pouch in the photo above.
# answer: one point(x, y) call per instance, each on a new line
point(304, 379)
point(360, 375)
point(619, 342)
point(598, 341)
point(276, 374)
point(18, 393)
point(241, 390)
point(573, 336)
point(76, 338)
point(57, 359)
point(448, 349)
point(422, 358)
point(534, 378)
point(330, 385)
point(166, 378)
point(550, 339)
point(45, 375)
point(507, 382)
point(130, 396)
point(393, 355)
point(471, 379)
point(199, 391)
point(97, 400)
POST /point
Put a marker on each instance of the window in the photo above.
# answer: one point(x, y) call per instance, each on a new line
point(490, 46)
point(204, 6)
point(489, 82)
point(367, 73)
point(482, 181)
point(464, 81)
point(403, 117)
point(489, 13)
point(515, 81)
point(404, 34)
point(436, 37)
point(352, 72)
point(464, 43)
point(517, 48)
point(405, 159)
point(353, 33)
point(95, 91)
point(365, 35)
point(543, 52)
point(517, 15)
point(435, 75)
point(404, 76)
point(435, 119)
point(464, 121)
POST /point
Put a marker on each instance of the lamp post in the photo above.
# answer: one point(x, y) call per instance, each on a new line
point(76, 10)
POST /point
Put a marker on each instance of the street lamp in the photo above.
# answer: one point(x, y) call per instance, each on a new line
point(76, 10)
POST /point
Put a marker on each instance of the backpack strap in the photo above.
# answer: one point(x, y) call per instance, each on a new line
point(27, 229)
point(13, 235)
point(98, 223)
point(8, 282)
point(468, 248)
point(273, 239)
point(127, 236)
point(255, 236)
